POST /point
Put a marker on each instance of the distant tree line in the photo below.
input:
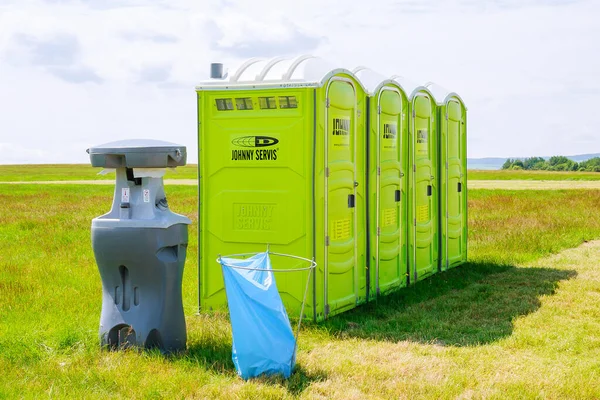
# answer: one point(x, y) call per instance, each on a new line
point(555, 163)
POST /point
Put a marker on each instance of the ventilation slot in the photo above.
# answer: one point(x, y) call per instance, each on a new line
point(244, 103)
point(267, 103)
point(288, 102)
point(125, 284)
point(224, 104)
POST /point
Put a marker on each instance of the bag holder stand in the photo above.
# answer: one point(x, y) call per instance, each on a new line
point(310, 269)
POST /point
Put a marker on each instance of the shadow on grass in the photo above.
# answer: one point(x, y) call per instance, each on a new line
point(469, 305)
point(215, 354)
point(212, 354)
point(299, 381)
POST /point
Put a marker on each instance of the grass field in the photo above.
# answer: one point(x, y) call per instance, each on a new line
point(480, 174)
point(75, 172)
point(525, 184)
point(520, 320)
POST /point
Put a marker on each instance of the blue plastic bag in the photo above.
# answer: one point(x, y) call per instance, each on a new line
point(263, 341)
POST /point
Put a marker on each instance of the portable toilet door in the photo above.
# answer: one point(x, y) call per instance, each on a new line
point(281, 154)
point(423, 182)
point(344, 218)
point(452, 122)
point(387, 184)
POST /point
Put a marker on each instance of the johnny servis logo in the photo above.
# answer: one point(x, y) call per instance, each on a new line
point(253, 142)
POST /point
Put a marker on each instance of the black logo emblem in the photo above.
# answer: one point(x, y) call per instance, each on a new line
point(255, 141)
point(341, 126)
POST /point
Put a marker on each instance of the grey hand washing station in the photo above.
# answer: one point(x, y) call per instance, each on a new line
point(140, 248)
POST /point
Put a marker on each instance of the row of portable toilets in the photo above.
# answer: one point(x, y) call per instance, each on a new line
point(366, 175)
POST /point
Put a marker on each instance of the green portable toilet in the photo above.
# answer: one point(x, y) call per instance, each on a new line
point(282, 162)
point(388, 182)
point(452, 124)
point(423, 209)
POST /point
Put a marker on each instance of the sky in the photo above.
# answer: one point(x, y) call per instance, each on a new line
point(78, 73)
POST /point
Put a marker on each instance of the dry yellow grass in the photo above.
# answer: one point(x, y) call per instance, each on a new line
point(551, 353)
point(532, 184)
point(473, 185)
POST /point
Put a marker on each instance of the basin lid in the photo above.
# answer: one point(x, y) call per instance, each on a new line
point(140, 153)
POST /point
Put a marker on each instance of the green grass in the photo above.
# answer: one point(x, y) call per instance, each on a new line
point(480, 174)
point(75, 172)
point(72, 172)
point(520, 320)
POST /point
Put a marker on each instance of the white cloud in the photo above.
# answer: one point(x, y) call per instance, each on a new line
point(79, 73)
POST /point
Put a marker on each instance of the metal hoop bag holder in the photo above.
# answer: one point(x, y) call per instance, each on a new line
point(262, 336)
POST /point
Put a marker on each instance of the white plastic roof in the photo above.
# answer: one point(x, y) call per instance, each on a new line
point(370, 79)
point(305, 70)
point(410, 88)
point(312, 71)
point(442, 95)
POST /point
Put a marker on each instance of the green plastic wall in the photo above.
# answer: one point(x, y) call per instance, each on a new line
point(297, 178)
point(453, 173)
point(282, 176)
point(424, 188)
point(388, 189)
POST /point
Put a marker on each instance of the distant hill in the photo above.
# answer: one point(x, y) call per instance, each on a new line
point(485, 163)
point(496, 162)
point(581, 157)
